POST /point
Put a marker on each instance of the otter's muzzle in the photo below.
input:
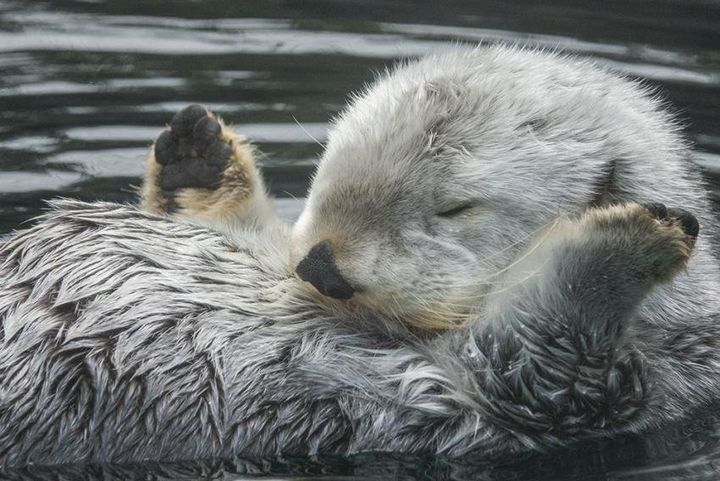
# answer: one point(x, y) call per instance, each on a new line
point(319, 269)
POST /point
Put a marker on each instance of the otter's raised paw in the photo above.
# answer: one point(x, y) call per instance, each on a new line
point(191, 152)
point(651, 239)
point(198, 167)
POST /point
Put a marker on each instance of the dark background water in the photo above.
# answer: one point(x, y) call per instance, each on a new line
point(86, 85)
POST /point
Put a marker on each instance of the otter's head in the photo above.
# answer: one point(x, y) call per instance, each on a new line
point(435, 178)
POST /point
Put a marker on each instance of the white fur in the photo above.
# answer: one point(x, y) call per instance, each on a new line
point(129, 337)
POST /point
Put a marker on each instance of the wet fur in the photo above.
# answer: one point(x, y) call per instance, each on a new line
point(130, 336)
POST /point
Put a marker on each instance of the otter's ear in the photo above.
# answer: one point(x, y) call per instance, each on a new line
point(606, 190)
point(445, 98)
point(443, 89)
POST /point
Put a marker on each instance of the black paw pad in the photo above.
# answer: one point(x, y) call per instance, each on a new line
point(205, 132)
point(218, 153)
point(183, 122)
point(191, 153)
point(165, 148)
point(657, 210)
point(195, 173)
point(687, 221)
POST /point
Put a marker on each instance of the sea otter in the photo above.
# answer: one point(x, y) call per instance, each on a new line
point(485, 264)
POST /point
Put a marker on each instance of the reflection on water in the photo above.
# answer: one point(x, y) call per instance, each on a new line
point(686, 451)
point(86, 85)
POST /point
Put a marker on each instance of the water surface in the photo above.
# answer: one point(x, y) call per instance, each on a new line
point(86, 85)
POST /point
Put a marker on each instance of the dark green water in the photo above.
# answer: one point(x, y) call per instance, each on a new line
point(86, 85)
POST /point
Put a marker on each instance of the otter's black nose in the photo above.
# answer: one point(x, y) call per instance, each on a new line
point(319, 269)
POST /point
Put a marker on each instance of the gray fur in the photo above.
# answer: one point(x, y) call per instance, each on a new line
point(128, 336)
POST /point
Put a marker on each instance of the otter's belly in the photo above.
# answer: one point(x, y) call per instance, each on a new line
point(115, 325)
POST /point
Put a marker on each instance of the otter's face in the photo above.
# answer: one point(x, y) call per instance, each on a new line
point(428, 189)
point(401, 244)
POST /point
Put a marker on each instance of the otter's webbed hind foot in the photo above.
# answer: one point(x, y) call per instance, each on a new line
point(200, 168)
point(562, 346)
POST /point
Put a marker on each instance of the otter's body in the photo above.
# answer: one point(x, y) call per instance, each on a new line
point(160, 340)
point(501, 178)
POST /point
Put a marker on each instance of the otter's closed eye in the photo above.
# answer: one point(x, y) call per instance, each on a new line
point(456, 210)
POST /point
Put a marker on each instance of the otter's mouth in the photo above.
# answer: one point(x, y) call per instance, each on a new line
point(350, 305)
point(431, 317)
point(336, 305)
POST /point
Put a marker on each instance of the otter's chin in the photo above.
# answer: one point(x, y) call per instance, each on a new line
point(433, 315)
point(437, 318)
point(437, 315)
point(336, 306)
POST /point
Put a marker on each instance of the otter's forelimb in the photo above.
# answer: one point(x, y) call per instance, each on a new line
point(200, 169)
point(559, 355)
